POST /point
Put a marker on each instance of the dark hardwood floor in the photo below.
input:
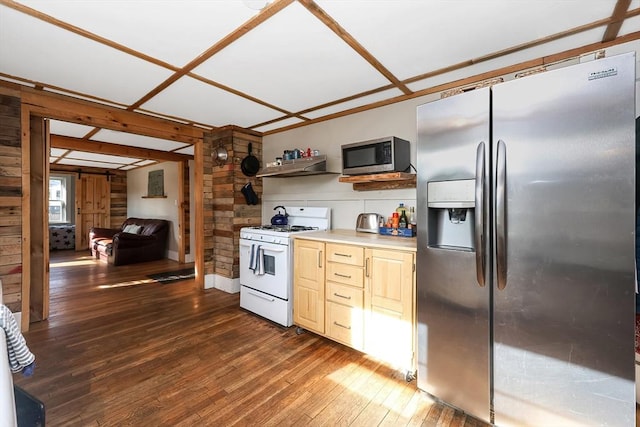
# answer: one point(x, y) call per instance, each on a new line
point(120, 350)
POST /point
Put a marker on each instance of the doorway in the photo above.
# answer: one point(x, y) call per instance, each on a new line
point(95, 201)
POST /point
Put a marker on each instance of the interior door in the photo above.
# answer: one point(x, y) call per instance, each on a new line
point(92, 206)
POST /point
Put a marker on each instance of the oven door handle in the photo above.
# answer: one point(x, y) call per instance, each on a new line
point(270, 248)
point(261, 296)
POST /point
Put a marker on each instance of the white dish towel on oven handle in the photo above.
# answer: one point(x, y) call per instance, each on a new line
point(256, 262)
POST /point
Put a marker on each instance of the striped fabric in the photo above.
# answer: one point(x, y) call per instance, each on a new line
point(19, 355)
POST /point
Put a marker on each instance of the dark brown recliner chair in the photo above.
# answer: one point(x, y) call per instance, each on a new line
point(118, 247)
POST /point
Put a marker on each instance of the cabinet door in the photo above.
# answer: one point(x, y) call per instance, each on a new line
point(308, 284)
point(390, 306)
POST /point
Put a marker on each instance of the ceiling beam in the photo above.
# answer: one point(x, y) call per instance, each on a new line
point(585, 49)
point(62, 107)
point(545, 60)
point(331, 23)
point(619, 12)
point(252, 23)
point(516, 48)
point(84, 33)
point(69, 143)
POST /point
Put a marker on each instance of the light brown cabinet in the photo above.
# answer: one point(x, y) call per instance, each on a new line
point(367, 297)
point(309, 285)
point(390, 306)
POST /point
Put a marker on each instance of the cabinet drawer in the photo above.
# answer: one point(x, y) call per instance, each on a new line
point(346, 274)
point(345, 324)
point(345, 254)
point(346, 295)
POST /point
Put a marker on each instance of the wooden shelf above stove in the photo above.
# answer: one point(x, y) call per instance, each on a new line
point(381, 181)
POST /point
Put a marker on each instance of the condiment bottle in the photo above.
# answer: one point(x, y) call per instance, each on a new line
point(395, 219)
point(412, 218)
point(403, 221)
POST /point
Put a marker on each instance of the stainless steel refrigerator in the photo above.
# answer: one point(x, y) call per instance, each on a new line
point(526, 247)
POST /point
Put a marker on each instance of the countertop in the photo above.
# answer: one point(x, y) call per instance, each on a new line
point(358, 238)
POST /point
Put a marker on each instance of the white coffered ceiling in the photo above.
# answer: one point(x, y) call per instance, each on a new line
point(212, 63)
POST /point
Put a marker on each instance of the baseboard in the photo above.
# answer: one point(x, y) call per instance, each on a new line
point(173, 255)
point(231, 286)
point(209, 281)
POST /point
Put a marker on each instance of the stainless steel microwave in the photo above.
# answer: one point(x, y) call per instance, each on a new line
point(390, 154)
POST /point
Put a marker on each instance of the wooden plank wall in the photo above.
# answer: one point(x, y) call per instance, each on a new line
point(118, 210)
point(38, 232)
point(186, 208)
point(225, 208)
point(244, 215)
point(10, 199)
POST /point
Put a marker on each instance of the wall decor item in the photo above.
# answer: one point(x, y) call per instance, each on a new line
point(156, 184)
point(220, 155)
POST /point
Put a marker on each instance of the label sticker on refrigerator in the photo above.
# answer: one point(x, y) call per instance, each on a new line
point(603, 73)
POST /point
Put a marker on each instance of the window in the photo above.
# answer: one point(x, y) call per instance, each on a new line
point(60, 194)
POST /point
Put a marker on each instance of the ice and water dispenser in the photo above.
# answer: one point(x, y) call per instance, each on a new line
point(451, 210)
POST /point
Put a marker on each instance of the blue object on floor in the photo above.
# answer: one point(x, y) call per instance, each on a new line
point(28, 370)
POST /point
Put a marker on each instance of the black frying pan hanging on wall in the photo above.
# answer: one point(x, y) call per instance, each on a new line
point(250, 164)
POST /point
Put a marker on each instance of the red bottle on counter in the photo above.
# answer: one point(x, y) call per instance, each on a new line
point(395, 220)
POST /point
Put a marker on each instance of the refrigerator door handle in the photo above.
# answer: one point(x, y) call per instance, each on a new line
point(501, 219)
point(479, 215)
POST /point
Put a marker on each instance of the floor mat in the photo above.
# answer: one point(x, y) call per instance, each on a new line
point(173, 276)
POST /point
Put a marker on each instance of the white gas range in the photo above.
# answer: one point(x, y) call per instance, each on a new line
point(266, 262)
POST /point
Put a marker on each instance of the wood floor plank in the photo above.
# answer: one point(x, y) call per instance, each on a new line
point(280, 400)
point(348, 403)
point(120, 349)
point(375, 410)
